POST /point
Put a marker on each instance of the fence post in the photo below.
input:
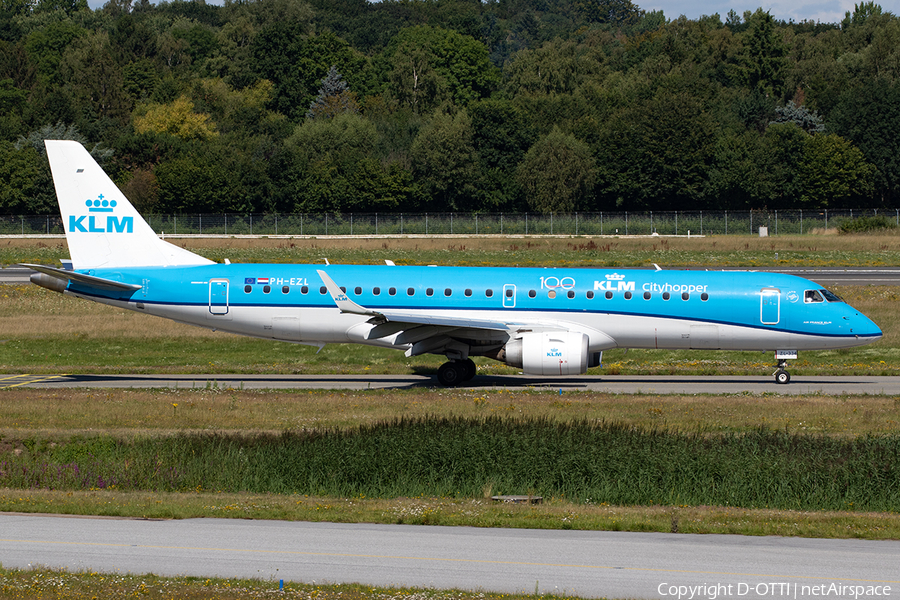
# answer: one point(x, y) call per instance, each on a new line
point(776, 222)
point(801, 221)
point(276, 223)
point(376, 223)
point(201, 224)
point(251, 224)
point(326, 224)
point(526, 223)
point(426, 223)
point(401, 223)
point(651, 222)
point(351, 223)
point(626, 221)
point(601, 222)
point(226, 223)
point(576, 223)
point(551, 223)
point(676, 222)
point(476, 223)
point(501, 223)
point(701, 222)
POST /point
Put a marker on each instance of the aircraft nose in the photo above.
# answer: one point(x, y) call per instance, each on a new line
point(864, 327)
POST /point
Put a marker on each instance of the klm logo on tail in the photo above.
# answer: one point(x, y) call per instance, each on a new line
point(96, 224)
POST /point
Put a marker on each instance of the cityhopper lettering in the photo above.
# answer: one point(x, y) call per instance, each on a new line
point(99, 223)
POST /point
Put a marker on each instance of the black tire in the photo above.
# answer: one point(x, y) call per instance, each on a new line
point(469, 369)
point(782, 377)
point(451, 374)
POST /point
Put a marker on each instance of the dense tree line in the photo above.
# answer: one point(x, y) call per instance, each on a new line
point(440, 105)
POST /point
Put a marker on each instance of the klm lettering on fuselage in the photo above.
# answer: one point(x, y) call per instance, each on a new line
point(614, 283)
point(95, 224)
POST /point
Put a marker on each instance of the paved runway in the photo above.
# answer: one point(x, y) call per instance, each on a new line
point(584, 563)
point(615, 384)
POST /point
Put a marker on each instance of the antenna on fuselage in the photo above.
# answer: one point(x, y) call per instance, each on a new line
point(658, 268)
point(326, 261)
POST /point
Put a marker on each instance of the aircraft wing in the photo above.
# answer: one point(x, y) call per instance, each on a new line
point(423, 332)
point(89, 280)
point(346, 305)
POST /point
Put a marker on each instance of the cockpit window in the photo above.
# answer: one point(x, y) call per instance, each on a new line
point(831, 296)
point(813, 296)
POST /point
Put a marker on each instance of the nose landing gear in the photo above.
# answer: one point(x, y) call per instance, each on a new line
point(781, 374)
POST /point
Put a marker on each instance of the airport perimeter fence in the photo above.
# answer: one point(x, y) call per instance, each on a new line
point(777, 222)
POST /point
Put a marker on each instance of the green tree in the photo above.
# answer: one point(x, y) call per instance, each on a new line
point(833, 173)
point(425, 65)
point(444, 163)
point(25, 185)
point(331, 165)
point(869, 116)
point(557, 174)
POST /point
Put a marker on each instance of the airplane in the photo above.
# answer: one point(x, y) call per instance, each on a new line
point(542, 321)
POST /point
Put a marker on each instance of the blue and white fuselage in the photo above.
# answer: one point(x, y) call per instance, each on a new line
point(544, 321)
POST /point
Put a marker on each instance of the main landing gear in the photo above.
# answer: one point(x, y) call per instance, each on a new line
point(781, 374)
point(456, 372)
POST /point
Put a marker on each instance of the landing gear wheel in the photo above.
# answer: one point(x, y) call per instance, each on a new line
point(469, 368)
point(451, 374)
point(782, 376)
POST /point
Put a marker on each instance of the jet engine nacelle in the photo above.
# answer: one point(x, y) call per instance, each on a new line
point(553, 353)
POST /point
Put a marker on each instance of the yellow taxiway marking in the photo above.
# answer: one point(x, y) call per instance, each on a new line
point(448, 560)
point(11, 381)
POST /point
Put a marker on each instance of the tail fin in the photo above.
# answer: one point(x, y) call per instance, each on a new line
point(103, 229)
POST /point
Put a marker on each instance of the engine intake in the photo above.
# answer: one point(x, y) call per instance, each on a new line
point(553, 353)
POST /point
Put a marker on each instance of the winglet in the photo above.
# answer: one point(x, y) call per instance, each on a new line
point(340, 298)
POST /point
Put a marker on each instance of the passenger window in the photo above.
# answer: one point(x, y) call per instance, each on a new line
point(323, 290)
point(304, 290)
point(646, 295)
point(410, 291)
point(609, 295)
point(267, 289)
point(343, 290)
point(666, 295)
point(571, 294)
point(488, 293)
point(376, 291)
point(532, 293)
point(590, 294)
point(468, 293)
point(812, 296)
point(509, 292)
point(685, 296)
point(357, 290)
point(628, 295)
point(247, 289)
point(447, 292)
point(285, 289)
point(429, 292)
point(392, 291)
point(704, 296)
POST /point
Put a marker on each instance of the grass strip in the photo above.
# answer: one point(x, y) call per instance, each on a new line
point(51, 584)
point(552, 513)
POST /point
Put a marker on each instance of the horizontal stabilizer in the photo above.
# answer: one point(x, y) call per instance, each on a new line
point(80, 278)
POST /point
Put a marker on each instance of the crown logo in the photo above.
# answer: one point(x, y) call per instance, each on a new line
point(615, 277)
point(101, 205)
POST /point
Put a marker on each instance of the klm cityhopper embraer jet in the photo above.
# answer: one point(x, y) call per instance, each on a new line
point(543, 321)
